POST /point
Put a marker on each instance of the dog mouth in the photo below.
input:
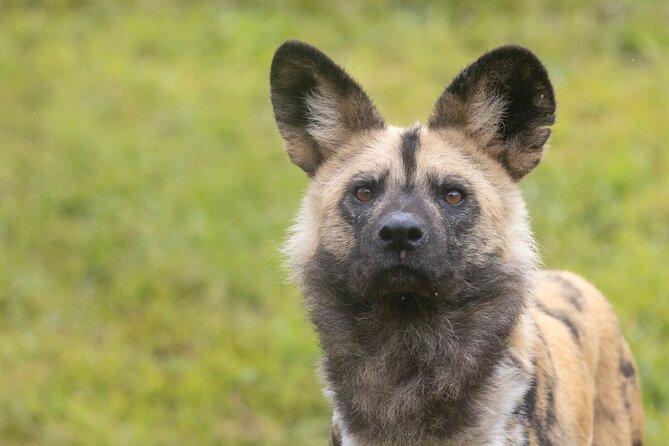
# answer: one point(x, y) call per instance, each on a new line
point(403, 284)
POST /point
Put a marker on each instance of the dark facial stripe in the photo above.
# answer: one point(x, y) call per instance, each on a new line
point(410, 143)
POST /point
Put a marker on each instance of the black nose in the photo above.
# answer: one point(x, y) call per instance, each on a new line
point(401, 231)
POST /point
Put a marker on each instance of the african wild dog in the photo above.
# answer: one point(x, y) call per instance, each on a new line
point(419, 270)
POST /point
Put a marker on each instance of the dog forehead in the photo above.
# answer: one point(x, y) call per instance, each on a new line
point(373, 153)
point(443, 153)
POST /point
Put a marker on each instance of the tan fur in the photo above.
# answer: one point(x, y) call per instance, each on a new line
point(601, 405)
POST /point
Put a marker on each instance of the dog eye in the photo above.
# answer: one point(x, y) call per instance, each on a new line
point(453, 197)
point(364, 193)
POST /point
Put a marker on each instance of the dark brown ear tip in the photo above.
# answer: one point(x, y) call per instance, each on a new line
point(296, 52)
point(287, 53)
point(502, 62)
point(517, 55)
point(294, 49)
point(513, 49)
point(294, 60)
point(528, 63)
point(514, 53)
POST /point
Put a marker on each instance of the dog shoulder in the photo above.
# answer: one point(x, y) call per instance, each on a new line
point(590, 364)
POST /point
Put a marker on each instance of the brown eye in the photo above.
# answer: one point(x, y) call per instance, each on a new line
point(363, 194)
point(453, 197)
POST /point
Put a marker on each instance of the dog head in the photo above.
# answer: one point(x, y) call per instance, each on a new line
point(418, 214)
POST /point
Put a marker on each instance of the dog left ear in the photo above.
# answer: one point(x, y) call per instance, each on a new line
point(504, 101)
point(317, 106)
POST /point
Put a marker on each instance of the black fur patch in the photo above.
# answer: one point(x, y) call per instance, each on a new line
point(562, 317)
point(537, 422)
point(528, 404)
point(626, 368)
point(570, 292)
point(541, 423)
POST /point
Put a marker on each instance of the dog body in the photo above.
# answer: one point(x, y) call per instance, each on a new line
point(419, 270)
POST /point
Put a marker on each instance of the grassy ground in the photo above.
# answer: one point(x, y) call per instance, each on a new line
point(144, 191)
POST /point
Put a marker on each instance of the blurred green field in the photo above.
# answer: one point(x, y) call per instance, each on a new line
point(144, 193)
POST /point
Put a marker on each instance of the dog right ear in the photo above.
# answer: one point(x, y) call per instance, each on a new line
point(317, 105)
point(504, 101)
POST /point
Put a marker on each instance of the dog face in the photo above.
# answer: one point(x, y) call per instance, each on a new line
point(401, 216)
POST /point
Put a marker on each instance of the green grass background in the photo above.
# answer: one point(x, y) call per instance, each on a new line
point(144, 192)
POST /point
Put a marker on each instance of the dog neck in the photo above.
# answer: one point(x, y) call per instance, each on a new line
point(424, 373)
